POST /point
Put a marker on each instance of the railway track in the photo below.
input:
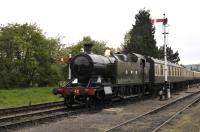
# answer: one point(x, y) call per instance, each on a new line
point(10, 111)
point(15, 118)
point(20, 117)
point(152, 121)
point(28, 115)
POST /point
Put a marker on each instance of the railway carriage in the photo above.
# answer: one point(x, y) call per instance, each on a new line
point(176, 73)
point(178, 76)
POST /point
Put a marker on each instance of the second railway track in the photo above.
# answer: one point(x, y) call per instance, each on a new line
point(153, 120)
point(17, 117)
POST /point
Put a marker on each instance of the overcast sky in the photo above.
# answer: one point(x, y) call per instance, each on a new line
point(109, 20)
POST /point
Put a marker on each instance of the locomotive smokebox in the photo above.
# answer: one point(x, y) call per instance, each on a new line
point(88, 47)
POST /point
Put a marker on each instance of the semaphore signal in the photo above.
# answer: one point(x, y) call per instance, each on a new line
point(164, 21)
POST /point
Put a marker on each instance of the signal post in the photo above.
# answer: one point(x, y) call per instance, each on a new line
point(165, 90)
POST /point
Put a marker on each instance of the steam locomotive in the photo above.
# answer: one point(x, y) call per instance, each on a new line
point(98, 78)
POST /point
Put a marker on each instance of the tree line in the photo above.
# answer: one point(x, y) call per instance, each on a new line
point(29, 58)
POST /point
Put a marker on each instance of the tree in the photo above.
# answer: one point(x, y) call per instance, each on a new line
point(99, 47)
point(171, 56)
point(140, 38)
point(27, 57)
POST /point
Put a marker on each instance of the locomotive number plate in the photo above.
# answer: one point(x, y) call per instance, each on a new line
point(108, 90)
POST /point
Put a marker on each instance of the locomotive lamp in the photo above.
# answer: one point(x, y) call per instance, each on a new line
point(107, 52)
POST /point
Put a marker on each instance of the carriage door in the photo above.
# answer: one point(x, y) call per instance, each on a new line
point(142, 64)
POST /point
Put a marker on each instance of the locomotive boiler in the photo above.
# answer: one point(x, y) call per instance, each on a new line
point(88, 67)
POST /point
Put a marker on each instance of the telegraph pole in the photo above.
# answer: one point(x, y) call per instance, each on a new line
point(166, 88)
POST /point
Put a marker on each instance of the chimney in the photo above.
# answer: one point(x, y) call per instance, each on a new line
point(88, 47)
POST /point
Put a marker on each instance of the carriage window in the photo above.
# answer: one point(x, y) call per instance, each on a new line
point(161, 70)
point(155, 69)
point(181, 72)
point(168, 71)
point(158, 70)
point(176, 72)
point(171, 70)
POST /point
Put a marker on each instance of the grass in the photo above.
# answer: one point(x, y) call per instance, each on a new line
point(188, 121)
point(26, 96)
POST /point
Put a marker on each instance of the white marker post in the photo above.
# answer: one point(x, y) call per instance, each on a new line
point(70, 76)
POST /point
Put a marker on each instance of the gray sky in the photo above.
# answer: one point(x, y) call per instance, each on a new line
point(109, 20)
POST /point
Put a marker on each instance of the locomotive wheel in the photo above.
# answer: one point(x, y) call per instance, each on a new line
point(68, 101)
